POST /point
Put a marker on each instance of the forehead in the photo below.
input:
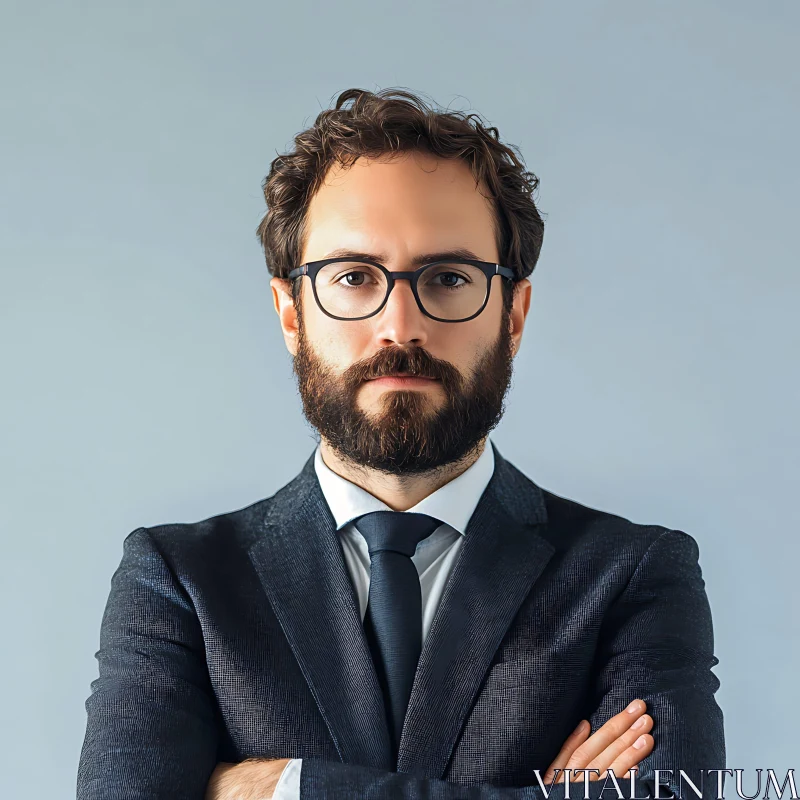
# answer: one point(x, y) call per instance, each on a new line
point(398, 205)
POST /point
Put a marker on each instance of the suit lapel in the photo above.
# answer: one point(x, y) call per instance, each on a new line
point(502, 555)
point(300, 563)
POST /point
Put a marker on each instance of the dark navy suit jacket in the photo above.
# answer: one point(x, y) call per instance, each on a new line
point(240, 636)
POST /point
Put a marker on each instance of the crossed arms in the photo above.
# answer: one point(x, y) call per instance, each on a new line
point(618, 746)
point(152, 730)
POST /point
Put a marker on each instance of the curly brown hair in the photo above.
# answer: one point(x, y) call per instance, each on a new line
point(394, 121)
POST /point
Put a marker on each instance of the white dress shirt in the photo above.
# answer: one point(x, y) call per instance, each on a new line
point(434, 557)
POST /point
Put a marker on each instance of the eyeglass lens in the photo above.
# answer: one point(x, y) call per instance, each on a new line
point(450, 291)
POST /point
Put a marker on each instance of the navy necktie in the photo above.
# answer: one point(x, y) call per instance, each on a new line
point(393, 622)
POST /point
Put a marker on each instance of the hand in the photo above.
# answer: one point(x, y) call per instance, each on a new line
point(252, 779)
point(610, 747)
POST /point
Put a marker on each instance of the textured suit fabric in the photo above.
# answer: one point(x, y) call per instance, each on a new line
point(240, 636)
point(454, 503)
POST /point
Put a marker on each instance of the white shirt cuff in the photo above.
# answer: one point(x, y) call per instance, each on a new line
point(288, 787)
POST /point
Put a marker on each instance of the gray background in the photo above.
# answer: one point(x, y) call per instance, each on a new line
point(145, 380)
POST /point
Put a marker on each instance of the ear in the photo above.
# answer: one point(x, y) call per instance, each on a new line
point(284, 308)
point(519, 311)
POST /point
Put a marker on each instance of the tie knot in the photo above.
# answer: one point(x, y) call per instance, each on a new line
point(398, 531)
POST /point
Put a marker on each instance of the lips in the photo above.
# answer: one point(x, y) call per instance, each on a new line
point(403, 375)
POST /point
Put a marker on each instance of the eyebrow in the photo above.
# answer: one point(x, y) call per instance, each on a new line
point(454, 254)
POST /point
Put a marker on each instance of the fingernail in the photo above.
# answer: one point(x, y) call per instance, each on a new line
point(634, 707)
point(640, 743)
point(639, 723)
point(579, 728)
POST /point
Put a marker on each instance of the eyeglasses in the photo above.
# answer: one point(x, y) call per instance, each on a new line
point(447, 291)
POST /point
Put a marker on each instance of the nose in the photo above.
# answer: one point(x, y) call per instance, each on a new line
point(401, 321)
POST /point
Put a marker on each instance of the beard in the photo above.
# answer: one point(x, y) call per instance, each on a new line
point(407, 435)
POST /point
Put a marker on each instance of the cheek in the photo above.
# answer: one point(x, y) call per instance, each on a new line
point(462, 345)
point(337, 343)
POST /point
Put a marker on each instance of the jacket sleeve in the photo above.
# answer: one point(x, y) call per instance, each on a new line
point(151, 729)
point(656, 644)
point(332, 780)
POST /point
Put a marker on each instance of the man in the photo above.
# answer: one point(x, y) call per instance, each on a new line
point(410, 616)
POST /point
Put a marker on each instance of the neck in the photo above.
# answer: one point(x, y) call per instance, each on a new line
point(399, 492)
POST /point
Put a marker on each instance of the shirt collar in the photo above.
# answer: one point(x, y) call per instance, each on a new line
point(452, 503)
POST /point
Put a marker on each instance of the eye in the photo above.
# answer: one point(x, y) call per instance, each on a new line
point(343, 275)
point(352, 278)
point(449, 280)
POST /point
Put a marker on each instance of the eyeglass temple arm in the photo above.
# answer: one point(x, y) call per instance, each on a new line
point(504, 271)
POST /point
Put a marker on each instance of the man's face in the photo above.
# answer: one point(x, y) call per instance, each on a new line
point(457, 373)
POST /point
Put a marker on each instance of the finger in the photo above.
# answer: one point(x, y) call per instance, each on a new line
point(574, 740)
point(606, 735)
point(631, 756)
point(605, 759)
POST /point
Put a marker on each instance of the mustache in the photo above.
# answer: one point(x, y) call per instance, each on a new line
point(414, 361)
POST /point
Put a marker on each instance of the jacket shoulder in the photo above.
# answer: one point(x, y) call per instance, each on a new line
point(575, 525)
point(236, 529)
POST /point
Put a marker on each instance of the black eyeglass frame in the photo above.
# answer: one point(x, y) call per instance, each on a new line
point(311, 269)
